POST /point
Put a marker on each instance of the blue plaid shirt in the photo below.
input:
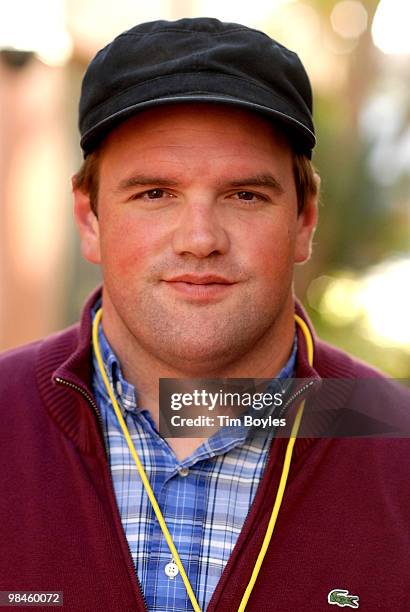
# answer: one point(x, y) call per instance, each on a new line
point(204, 499)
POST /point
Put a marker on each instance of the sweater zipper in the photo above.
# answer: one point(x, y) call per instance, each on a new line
point(93, 404)
point(295, 396)
point(87, 396)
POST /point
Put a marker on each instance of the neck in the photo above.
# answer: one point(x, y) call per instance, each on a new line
point(143, 369)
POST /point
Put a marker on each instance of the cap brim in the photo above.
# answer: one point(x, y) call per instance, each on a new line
point(304, 138)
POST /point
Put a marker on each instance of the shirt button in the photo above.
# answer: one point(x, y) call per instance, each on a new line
point(183, 471)
point(171, 570)
point(119, 387)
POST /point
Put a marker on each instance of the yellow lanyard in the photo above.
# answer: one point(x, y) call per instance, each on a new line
point(150, 493)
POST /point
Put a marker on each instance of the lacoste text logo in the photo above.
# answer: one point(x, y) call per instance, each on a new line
point(341, 598)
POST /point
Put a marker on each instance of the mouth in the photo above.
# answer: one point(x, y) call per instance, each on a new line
point(203, 288)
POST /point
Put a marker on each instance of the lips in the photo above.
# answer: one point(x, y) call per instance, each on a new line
point(200, 280)
point(198, 288)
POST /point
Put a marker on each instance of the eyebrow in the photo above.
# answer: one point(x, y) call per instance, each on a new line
point(141, 180)
point(258, 180)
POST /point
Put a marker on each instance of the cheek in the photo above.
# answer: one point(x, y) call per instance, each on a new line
point(271, 251)
point(129, 244)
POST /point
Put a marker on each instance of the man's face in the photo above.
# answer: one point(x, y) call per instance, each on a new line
point(197, 234)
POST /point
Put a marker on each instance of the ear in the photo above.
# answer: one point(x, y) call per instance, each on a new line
point(306, 225)
point(88, 226)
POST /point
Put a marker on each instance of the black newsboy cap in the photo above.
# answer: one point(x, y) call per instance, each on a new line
point(195, 60)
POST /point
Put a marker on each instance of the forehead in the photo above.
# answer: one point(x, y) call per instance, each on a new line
point(197, 126)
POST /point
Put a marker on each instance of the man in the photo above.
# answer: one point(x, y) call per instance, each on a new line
point(196, 198)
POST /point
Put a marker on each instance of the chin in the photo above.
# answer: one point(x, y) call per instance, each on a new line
point(195, 352)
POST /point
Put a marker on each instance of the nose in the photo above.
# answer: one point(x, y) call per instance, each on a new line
point(200, 231)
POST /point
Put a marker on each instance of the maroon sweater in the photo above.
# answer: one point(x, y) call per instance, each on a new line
point(344, 521)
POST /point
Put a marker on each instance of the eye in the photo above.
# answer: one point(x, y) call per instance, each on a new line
point(154, 194)
point(151, 194)
point(249, 196)
point(245, 195)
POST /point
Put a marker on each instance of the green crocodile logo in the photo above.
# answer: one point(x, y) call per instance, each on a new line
point(341, 598)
